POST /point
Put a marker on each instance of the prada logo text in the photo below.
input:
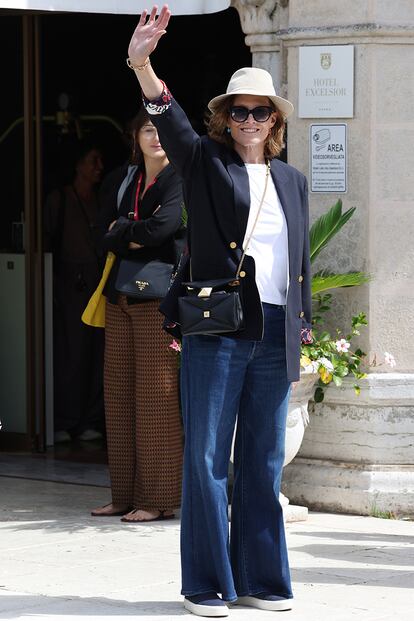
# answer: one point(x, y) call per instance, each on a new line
point(141, 284)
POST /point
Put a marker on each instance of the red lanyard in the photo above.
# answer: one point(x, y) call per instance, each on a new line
point(136, 205)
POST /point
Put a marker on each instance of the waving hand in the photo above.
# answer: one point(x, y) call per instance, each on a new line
point(147, 34)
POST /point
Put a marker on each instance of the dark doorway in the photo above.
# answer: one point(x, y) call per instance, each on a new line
point(83, 56)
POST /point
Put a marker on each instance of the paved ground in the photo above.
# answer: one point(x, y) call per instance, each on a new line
point(57, 562)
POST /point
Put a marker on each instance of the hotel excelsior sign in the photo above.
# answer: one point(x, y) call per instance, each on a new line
point(326, 81)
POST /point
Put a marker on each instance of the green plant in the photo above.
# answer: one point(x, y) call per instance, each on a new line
point(321, 233)
point(331, 356)
point(184, 215)
point(385, 515)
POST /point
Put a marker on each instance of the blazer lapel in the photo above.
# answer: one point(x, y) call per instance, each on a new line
point(241, 191)
point(292, 218)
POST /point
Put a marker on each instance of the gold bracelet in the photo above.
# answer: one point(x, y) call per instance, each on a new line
point(137, 67)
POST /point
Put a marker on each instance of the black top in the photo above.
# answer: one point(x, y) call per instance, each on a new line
point(217, 197)
point(159, 228)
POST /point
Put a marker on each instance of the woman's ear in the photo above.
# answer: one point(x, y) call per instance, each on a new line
point(273, 117)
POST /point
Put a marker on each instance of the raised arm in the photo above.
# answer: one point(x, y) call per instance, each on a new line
point(178, 138)
point(143, 43)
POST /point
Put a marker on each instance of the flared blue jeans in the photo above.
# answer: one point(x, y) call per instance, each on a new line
point(225, 381)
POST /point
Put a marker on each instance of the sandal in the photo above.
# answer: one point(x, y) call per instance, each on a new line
point(115, 513)
point(159, 517)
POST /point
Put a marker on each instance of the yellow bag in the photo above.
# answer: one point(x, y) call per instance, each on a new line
point(94, 313)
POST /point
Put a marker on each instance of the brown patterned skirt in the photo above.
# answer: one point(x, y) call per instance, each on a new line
point(143, 421)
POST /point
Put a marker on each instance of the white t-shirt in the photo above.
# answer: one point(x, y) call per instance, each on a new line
point(269, 243)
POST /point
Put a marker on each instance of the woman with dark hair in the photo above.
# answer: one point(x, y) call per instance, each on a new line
point(70, 215)
point(141, 219)
point(247, 226)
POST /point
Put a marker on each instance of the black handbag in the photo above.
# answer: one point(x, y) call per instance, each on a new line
point(211, 307)
point(144, 280)
point(215, 306)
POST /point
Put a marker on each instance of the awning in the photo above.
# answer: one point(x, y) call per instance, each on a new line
point(120, 7)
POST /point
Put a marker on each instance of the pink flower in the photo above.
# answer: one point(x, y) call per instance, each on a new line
point(389, 359)
point(342, 345)
point(176, 346)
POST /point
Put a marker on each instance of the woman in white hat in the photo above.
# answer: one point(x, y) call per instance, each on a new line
point(239, 198)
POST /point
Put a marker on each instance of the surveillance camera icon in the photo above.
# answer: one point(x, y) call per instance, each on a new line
point(321, 138)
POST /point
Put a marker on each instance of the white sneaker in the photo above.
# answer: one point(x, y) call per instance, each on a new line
point(265, 602)
point(61, 436)
point(90, 434)
point(206, 605)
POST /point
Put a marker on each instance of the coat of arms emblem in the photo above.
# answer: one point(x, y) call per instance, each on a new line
point(326, 61)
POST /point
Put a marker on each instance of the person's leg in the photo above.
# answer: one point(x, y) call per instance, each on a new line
point(159, 430)
point(212, 373)
point(258, 546)
point(119, 382)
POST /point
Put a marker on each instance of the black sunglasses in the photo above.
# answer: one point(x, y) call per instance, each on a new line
point(239, 114)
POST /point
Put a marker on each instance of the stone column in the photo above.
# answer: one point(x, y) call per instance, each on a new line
point(358, 452)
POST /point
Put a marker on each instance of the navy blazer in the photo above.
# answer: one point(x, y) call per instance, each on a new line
point(217, 197)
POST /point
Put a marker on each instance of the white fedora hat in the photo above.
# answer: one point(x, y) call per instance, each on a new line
point(253, 81)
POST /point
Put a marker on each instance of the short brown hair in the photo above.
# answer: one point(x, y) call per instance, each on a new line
point(217, 125)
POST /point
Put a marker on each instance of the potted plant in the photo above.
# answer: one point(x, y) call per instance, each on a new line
point(329, 358)
point(346, 463)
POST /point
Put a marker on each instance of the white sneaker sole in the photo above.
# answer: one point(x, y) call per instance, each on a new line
point(206, 611)
point(264, 604)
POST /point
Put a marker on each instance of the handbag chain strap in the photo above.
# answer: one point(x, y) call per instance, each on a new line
point(246, 245)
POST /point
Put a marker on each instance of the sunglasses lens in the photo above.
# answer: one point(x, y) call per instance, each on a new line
point(239, 113)
point(261, 113)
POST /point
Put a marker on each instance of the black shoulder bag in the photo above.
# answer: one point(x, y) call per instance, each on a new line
point(215, 306)
point(144, 280)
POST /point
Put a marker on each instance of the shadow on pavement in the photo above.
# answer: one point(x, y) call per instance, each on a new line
point(15, 606)
point(356, 535)
point(378, 555)
point(369, 576)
